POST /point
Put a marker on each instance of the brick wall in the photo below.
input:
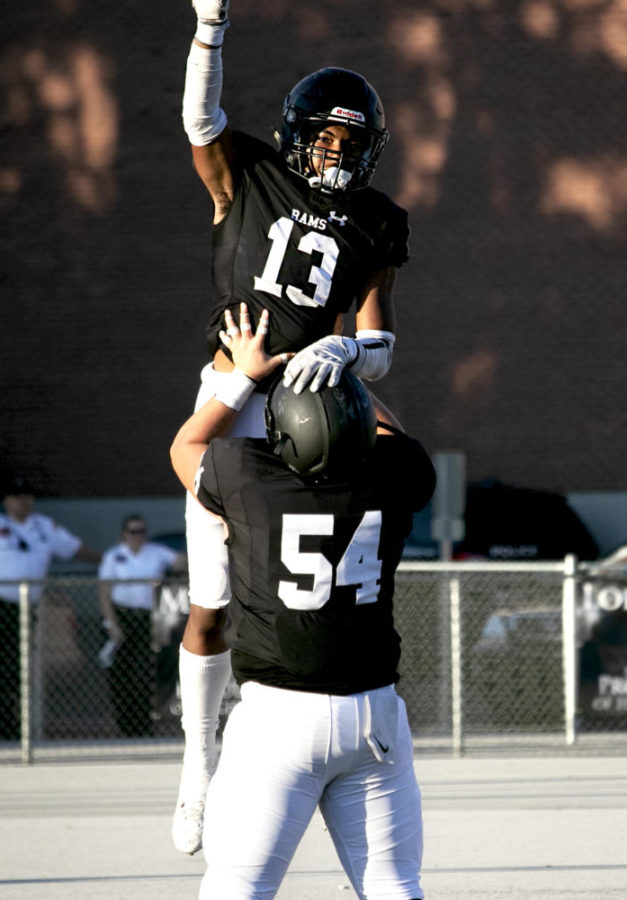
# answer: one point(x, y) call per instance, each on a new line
point(508, 149)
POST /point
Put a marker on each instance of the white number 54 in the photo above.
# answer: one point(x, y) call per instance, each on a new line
point(359, 565)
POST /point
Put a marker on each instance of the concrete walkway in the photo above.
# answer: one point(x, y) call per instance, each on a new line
point(494, 828)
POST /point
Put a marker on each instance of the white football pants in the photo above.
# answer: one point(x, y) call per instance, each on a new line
point(206, 551)
point(286, 752)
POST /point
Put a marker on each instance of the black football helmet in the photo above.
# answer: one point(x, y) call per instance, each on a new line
point(338, 97)
point(325, 434)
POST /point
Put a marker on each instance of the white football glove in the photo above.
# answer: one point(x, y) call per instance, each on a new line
point(320, 363)
point(368, 355)
point(213, 12)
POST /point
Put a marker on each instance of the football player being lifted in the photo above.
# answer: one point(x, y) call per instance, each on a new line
point(297, 230)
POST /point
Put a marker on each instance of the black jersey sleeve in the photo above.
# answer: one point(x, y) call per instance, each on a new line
point(405, 468)
point(395, 238)
point(207, 484)
point(388, 228)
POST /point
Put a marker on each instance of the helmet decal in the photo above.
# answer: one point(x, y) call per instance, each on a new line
point(353, 115)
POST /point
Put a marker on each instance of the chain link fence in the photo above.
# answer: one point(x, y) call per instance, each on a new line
point(511, 655)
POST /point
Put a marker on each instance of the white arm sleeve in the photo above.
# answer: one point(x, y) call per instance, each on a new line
point(374, 354)
point(203, 118)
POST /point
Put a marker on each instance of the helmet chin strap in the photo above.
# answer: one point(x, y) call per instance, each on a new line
point(281, 442)
point(332, 177)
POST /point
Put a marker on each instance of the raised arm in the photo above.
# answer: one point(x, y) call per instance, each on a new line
point(203, 118)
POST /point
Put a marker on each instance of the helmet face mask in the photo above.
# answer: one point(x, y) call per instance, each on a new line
point(321, 435)
point(326, 166)
point(327, 98)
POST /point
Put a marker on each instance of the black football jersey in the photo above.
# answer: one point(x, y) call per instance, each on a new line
point(303, 254)
point(312, 565)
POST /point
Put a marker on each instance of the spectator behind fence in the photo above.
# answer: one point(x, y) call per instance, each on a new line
point(127, 605)
point(29, 542)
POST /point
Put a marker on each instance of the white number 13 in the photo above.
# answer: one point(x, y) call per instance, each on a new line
point(359, 566)
point(320, 276)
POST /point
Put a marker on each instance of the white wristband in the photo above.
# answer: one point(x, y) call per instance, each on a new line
point(234, 389)
point(374, 353)
point(210, 34)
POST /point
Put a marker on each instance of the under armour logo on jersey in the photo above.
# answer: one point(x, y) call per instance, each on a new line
point(341, 220)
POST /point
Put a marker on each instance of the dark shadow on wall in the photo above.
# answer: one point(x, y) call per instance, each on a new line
point(507, 147)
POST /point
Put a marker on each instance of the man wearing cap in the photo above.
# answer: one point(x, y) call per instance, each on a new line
point(29, 542)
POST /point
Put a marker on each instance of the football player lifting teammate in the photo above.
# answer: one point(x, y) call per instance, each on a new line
point(317, 513)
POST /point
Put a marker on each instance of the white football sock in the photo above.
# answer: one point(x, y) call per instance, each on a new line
point(203, 682)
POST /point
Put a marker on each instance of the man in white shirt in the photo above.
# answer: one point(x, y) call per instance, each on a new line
point(127, 597)
point(29, 542)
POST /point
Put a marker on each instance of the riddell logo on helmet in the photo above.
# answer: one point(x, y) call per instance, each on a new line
point(348, 114)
